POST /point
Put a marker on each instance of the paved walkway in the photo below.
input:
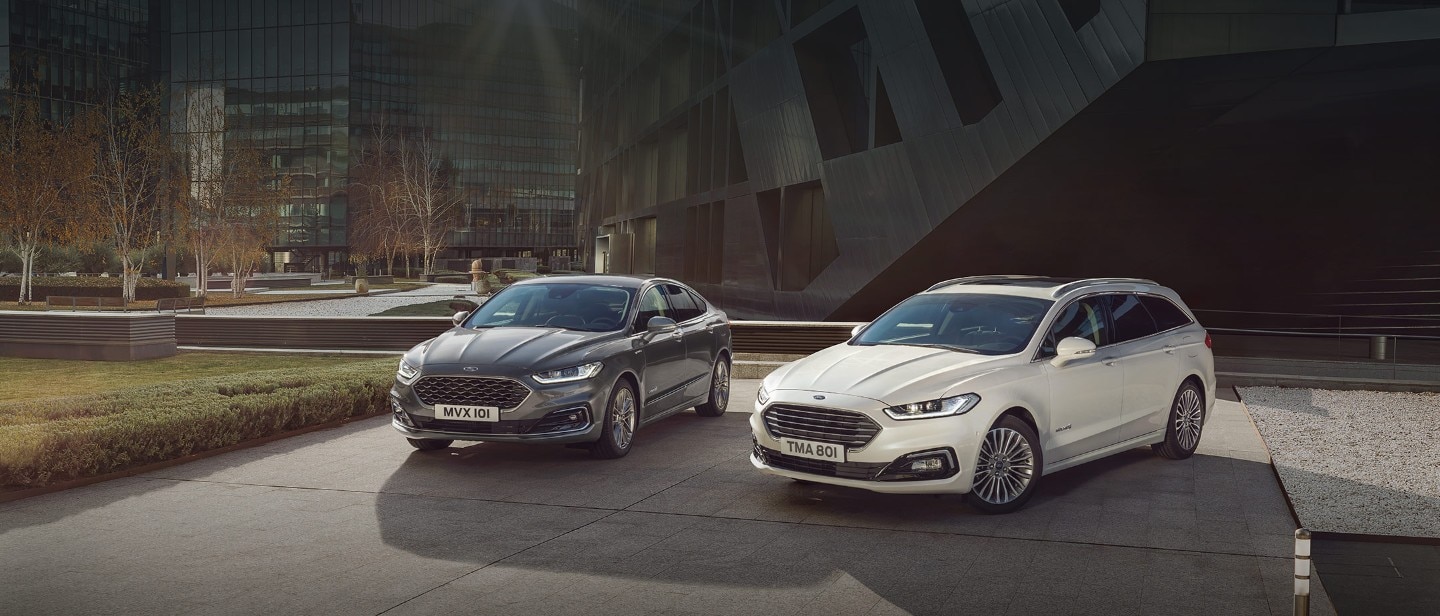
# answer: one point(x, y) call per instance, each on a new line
point(348, 307)
point(353, 521)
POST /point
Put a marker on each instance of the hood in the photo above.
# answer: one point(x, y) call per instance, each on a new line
point(892, 374)
point(530, 347)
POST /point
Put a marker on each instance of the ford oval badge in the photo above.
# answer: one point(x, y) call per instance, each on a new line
point(472, 368)
point(818, 397)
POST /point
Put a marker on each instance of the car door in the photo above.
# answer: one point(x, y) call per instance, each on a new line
point(664, 353)
point(699, 339)
point(1182, 342)
point(1085, 394)
point(1149, 365)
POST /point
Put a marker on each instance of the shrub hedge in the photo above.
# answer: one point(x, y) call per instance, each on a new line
point(453, 279)
point(90, 286)
point(56, 439)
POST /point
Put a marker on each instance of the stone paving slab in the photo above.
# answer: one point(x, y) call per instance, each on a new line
point(353, 521)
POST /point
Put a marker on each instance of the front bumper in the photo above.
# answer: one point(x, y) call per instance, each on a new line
point(866, 467)
point(537, 419)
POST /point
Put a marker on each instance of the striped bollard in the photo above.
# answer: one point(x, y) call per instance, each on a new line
point(1302, 572)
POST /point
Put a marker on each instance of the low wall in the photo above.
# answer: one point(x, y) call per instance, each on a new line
point(108, 336)
point(39, 290)
point(338, 333)
point(401, 333)
point(268, 281)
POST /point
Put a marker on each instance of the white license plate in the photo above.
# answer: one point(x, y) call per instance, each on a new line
point(456, 412)
point(812, 450)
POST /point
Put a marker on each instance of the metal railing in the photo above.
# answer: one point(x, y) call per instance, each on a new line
point(1299, 335)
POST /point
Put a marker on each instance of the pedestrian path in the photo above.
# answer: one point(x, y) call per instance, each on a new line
point(350, 306)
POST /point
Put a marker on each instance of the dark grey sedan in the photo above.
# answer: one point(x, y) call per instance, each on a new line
point(570, 359)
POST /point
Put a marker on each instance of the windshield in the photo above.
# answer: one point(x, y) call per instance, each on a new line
point(965, 322)
point(581, 307)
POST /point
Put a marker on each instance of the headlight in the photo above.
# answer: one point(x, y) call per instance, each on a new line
point(566, 375)
point(406, 372)
point(944, 407)
point(762, 396)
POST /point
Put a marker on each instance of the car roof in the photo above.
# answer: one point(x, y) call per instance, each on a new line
point(625, 281)
point(1042, 287)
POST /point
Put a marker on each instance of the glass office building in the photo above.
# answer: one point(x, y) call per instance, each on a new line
point(493, 82)
point(73, 53)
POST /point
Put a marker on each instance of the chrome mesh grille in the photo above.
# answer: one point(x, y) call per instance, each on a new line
point(470, 390)
point(810, 423)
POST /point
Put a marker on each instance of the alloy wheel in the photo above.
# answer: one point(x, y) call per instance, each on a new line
point(623, 423)
point(720, 386)
point(1188, 419)
point(1005, 468)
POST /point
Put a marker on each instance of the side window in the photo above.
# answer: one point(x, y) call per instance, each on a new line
point(1082, 319)
point(652, 304)
point(1168, 316)
point(684, 305)
point(1132, 320)
point(699, 301)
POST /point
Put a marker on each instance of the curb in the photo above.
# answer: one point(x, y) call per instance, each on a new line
point(24, 493)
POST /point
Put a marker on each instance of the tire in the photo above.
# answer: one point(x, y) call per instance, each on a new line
point(719, 398)
point(1009, 458)
point(617, 434)
point(1185, 423)
point(429, 444)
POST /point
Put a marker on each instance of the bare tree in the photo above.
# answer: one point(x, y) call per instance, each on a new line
point(44, 173)
point(379, 224)
point(429, 196)
point(134, 164)
point(236, 191)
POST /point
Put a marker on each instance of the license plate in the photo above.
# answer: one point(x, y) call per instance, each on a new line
point(456, 412)
point(812, 450)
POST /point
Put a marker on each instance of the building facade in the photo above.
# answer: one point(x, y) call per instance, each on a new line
point(493, 83)
point(823, 159)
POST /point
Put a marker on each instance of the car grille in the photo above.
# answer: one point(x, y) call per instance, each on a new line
point(836, 427)
point(845, 470)
point(475, 391)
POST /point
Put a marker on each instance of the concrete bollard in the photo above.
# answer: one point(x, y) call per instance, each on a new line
point(1302, 572)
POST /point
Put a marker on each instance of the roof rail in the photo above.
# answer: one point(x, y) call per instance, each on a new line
point(1080, 284)
point(978, 280)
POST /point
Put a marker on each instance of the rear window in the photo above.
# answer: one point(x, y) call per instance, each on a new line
point(1167, 315)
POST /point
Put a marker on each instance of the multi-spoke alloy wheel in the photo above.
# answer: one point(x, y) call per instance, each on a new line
point(1187, 420)
point(719, 390)
point(618, 433)
point(1007, 467)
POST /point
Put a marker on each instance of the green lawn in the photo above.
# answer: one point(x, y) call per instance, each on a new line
point(439, 308)
point(28, 379)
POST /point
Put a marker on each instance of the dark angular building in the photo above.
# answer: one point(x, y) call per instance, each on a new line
point(823, 159)
point(493, 82)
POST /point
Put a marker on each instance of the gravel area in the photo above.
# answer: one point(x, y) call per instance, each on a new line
point(1355, 461)
point(348, 307)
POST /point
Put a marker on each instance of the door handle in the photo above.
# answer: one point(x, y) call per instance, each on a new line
point(1169, 349)
point(1109, 361)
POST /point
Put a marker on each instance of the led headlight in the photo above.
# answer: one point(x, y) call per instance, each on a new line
point(944, 407)
point(406, 372)
point(762, 396)
point(566, 375)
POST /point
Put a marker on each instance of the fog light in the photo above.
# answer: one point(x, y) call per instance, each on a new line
point(927, 465)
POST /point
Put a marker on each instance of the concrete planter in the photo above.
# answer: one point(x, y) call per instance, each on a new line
point(108, 336)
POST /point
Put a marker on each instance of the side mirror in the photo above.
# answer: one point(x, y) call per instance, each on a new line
point(459, 317)
point(1071, 349)
point(856, 331)
point(659, 325)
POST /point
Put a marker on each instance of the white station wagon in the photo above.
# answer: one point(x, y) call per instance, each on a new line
point(983, 385)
